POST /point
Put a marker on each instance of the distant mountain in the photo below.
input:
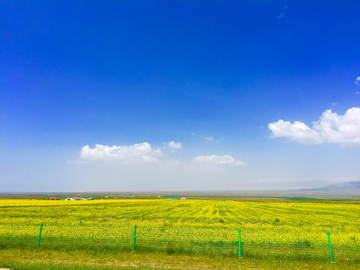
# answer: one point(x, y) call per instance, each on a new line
point(347, 185)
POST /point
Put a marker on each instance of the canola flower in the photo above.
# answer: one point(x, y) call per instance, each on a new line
point(191, 221)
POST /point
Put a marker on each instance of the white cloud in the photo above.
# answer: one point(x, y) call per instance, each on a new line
point(298, 132)
point(281, 15)
point(217, 160)
point(335, 128)
point(330, 128)
point(210, 138)
point(137, 152)
point(175, 145)
point(357, 81)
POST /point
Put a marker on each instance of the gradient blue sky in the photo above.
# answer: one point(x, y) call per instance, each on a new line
point(208, 76)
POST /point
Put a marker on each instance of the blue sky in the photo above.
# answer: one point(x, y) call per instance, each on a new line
point(178, 95)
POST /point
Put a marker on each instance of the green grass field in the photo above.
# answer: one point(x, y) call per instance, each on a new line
point(274, 234)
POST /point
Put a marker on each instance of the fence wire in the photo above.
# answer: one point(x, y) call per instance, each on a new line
point(172, 240)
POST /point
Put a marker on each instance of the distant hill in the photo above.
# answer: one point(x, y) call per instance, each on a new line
point(347, 185)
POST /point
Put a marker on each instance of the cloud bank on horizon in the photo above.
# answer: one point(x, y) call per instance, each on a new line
point(217, 160)
point(330, 128)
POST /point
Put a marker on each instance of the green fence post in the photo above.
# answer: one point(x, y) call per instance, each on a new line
point(38, 241)
point(134, 238)
point(331, 257)
point(239, 243)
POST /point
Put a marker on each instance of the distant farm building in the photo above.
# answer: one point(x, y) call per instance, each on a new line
point(78, 199)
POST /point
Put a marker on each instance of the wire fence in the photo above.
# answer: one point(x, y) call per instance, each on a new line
point(172, 240)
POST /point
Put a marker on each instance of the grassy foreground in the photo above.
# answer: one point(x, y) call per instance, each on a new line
point(15, 258)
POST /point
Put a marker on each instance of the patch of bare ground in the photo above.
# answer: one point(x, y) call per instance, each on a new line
point(137, 263)
point(159, 261)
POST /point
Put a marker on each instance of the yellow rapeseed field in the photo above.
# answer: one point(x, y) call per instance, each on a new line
point(182, 221)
